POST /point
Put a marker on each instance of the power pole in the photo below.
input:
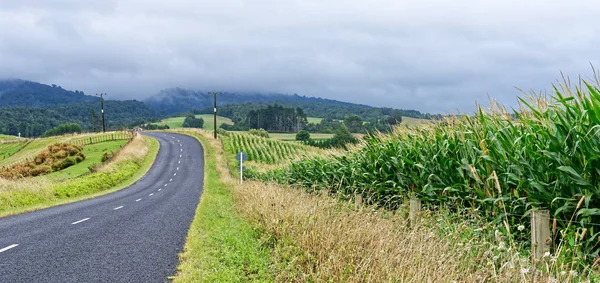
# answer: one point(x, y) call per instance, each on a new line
point(215, 111)
point(102, 106)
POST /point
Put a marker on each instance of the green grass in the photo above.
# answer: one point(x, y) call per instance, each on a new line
point(177, 122)
point(292, 136)
point(9, 149)
point(221, 246)
point(93, 156)
point(7, 137)
point(314, 120)
point(414, 121)
point(58, 193)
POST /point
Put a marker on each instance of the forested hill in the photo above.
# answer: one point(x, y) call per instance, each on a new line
point(32, 94)
point(314, 109)
point(33, 122)
point(177, 100)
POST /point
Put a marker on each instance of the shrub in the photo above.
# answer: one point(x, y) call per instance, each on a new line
point(303, 135)
point(107, 156)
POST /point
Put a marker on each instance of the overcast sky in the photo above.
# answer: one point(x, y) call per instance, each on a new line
point(431, 55)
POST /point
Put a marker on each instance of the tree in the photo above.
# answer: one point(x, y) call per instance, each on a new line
point(192, 122)
point(303, 135)
point(354, 123)
point(395, 117)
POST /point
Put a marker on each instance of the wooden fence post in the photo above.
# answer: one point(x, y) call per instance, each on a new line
point(415, 208)
point(358, 200)
point(540, 233)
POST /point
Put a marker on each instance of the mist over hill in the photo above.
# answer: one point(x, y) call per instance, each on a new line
point(178, 100)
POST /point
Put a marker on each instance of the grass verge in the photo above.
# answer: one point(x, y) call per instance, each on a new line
point(31, 194)
point(221, 246)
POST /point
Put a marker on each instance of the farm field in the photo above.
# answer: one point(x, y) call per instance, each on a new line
point(292, 136)
point(177, 122)
point(35, 146)
point(314, 120)
point(7, 137)
point(265, 150)
point(8, 149)
point(93, 156)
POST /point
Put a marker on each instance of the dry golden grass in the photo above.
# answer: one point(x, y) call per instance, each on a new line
point(318, 238)
point(135, 150)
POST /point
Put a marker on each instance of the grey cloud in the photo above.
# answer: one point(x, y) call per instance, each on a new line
point(434, 55)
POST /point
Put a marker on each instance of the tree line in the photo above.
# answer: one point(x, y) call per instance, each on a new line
point(34, 122)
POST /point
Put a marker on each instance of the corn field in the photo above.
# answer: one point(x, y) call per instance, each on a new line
point(8, 149)
point(264, 150)
point(546, 155)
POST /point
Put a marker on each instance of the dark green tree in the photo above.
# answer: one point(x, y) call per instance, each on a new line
point(192, 122)
point(303, 135)
point(354, 123)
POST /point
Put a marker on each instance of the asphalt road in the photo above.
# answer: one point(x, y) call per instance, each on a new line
point(133, 235)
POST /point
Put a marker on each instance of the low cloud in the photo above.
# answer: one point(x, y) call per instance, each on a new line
point(435, 56)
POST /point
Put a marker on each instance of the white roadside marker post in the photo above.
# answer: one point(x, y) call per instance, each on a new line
point(241, 157)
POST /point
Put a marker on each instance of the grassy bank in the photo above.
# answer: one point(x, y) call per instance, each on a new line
point(221, 246)
point(132, 162)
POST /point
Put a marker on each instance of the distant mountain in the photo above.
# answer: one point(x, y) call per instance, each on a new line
point(178, 100)
point(17, 92)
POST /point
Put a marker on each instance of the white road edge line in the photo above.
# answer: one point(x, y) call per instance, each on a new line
point(118, 207)
point(138, 199)
point(77, 222)
point(8, 248)
point(151, 194)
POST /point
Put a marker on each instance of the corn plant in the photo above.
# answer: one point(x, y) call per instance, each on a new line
point(545, 155)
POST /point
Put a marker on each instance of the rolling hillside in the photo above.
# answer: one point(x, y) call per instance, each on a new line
point(32, 94)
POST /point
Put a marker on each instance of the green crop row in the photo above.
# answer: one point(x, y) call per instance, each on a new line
point(544, 156)
point(263, 150)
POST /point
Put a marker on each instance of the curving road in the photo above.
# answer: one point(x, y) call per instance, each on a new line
point(133, 235)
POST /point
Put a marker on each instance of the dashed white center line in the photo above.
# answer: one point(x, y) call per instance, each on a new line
point(159, 190)
point(151, 194)
point(177, 169)
point(118, 207)
point(138, 199)
point(182, 149)
point(175, 174)
point(179, 162)
point(171, 180)
point(77, 222)
point(177, 140)
point(180, 145)
point(180, 156)
point(166, 185)
point(8, 248)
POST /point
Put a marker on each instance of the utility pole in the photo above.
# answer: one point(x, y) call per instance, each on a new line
point(215, 111)
point(102, 106)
